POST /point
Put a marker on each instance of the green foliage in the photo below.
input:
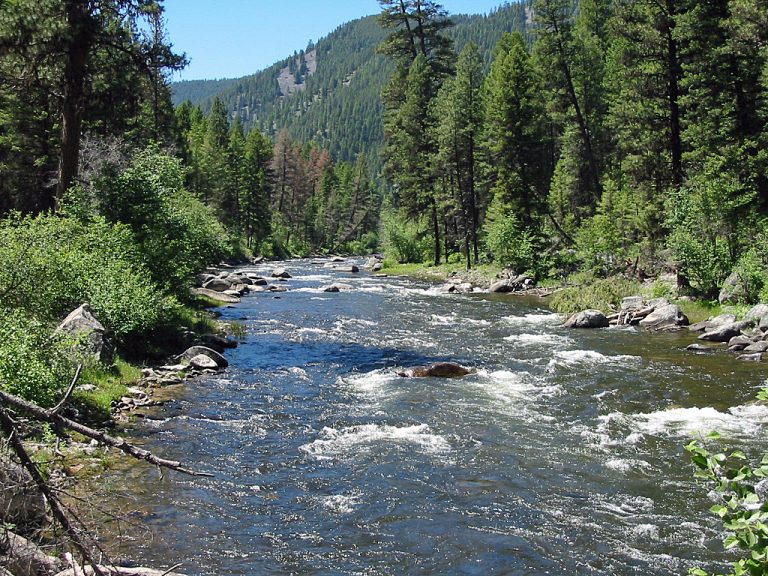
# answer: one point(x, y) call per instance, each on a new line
point(403, 240)
point(604, 294)
point(50, 265)
point(514, 246)
point(175, 233)
point(33, 363)
point(742, 507)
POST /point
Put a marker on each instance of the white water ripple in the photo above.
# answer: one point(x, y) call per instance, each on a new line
point(352, 440)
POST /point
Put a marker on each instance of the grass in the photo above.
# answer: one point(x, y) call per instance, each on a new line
point(481, 274)
point(111, 384)
point(603, 294)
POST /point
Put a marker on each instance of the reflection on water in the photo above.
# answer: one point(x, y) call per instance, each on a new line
point(560, 454)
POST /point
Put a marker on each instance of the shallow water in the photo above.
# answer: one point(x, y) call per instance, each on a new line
point(561, 454)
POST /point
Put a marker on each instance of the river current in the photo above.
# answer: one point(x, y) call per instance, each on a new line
point(562, 453)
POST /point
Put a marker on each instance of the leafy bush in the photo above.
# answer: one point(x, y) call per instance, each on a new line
point(50, 265)
point(742, 506)
point(708, 223)
point(175, 233)
point(604, 294)
point(599, 245)
point(512, 246)
point(403, 240)
point(33, 364)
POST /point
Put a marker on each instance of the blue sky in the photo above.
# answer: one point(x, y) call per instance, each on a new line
point(232, 38)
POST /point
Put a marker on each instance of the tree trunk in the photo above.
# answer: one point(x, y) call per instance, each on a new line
point(435, 230)
point(81, 40)
point(673, 96)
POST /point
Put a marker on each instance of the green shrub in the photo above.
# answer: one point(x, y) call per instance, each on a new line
point(49, 265)
point(603, 294)
point(174, 232)
point(404, 241)
point(514, 247)
point(33, 363)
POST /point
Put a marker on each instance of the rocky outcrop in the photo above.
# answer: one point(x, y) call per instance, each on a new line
point(712, 323)
point(88, 333)
point(436, 370)
point(587, 319)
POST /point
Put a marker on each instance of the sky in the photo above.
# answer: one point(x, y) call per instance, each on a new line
point(233, 38)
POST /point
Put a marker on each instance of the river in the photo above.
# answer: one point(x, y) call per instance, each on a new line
point(561, 454)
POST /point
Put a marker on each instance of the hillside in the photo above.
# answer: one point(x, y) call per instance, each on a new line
point(330, 92)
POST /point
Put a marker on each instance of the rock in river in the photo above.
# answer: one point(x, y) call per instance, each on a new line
point(436, 370)
point(587, 319)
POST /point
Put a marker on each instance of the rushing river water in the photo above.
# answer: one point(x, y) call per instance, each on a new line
point(561, 454)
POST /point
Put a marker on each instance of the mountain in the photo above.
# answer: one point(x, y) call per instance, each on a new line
point(330, 92)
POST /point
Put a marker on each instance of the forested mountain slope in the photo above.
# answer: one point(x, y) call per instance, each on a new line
point(334, 98)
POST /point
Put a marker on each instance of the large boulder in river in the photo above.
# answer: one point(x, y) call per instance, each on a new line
point(193, 351)
point(217, 296)
point(336, 287)
point(88, 333)
point(587, 319)
point(725, 332)
point(759, 314)
point(436, 370)
point(665, 317)
point(218, 284)
point(712, 323)
point(281, 273)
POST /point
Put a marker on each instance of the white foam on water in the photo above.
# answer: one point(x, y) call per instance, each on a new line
point(352, 440)
point(374, 383)
point(340, 504)
point(646, 531)
point(508, 386)
point(569, 358)
point(538, 339)
point(319, 298)
point(745, 420)
point(537, 318)
point(628, 465)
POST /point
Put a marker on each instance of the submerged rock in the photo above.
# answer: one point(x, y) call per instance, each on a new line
point(436, 370)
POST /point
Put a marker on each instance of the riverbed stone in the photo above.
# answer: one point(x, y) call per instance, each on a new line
point(203, 362)
point(739, 342)
point(696, 347)
point(725, 332)
point(218, 296)
point(665, 317)
point(336, 287)
point(712, 323)
point(275, 288)
point(436, 370)
point(218, 284)
point(502, 287)
point(281, 273)
point(587, 319)
point(753, 357)
point(193, 351)
point(761, 346)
